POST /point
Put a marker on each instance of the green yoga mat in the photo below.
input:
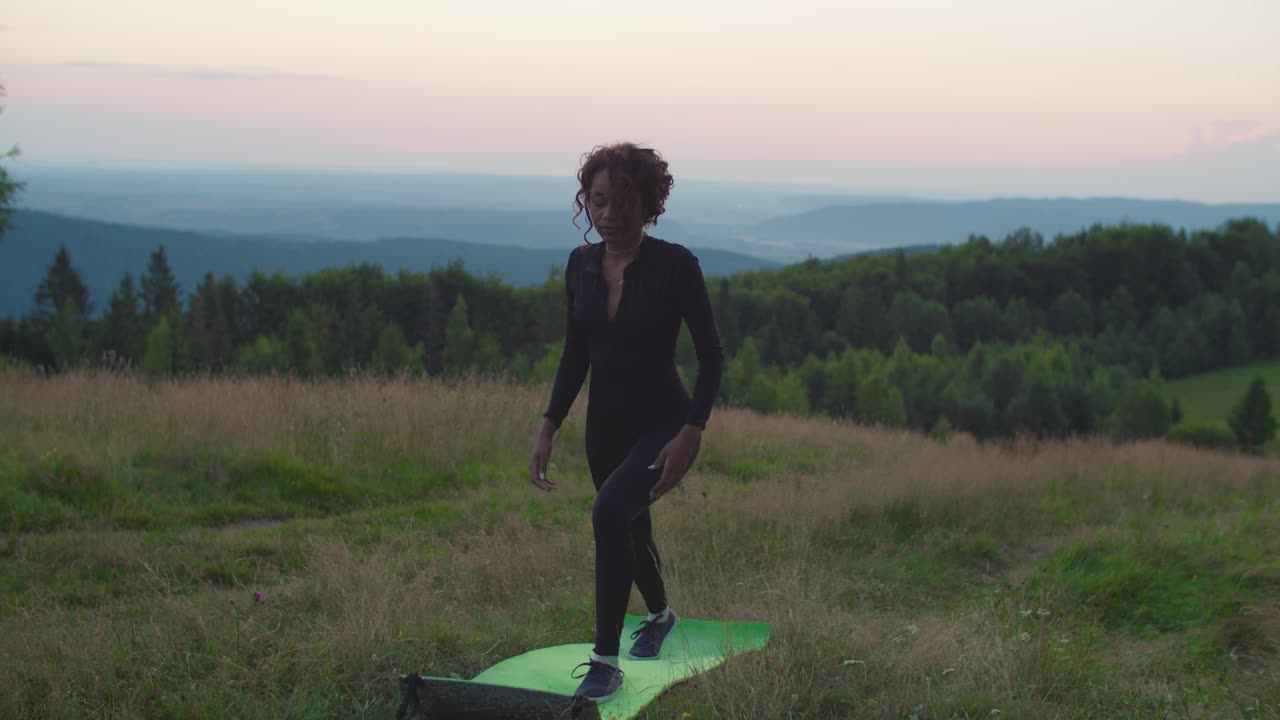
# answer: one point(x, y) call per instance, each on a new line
point(693, 647)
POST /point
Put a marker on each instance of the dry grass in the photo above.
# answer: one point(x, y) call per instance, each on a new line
point(903, 577)
point(344, 424)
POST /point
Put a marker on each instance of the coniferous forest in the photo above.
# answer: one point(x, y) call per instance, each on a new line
point(995, 338)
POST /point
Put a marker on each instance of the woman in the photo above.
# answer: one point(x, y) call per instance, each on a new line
point(626, 298)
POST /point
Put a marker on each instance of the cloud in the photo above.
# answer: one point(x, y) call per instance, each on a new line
point(230, 75)
point(215, 74)
point(1227, 133)
point(101, 65)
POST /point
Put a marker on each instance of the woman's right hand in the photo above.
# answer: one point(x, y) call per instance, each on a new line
point(541, 456)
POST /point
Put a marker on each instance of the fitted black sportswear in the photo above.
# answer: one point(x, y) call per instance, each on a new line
point(636, 404)
point(632, 356)
point(625, 550)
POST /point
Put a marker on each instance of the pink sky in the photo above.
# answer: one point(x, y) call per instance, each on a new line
point(1143, 98)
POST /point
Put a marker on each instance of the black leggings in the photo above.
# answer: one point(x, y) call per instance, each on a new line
point(625, 551)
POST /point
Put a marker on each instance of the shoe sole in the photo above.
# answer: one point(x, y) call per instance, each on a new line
point(634, 658)
point(602, 698)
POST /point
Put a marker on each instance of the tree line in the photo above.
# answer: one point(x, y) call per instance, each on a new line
point(994, 338)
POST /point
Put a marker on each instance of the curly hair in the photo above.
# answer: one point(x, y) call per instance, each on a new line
point(637, 175)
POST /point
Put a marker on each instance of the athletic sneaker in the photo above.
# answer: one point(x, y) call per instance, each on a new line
point(649, 637)
point(601, 683)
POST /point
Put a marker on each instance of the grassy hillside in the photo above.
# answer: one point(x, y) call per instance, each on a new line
point(390, 527)
point(1211, 396)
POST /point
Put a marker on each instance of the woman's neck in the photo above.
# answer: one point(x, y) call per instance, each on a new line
point(625, 245)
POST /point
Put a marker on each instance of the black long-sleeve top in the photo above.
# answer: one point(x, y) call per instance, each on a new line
point(634, 380)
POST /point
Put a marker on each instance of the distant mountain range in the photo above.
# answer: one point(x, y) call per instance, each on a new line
point(103, 252)
point(334, 204)
point(839, 230)
point(522, 245)
point(230, 222)
point(780, 223)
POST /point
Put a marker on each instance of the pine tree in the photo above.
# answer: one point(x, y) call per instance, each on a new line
point(157, 360)
point(941, 429)
point(1071, 314)
point(299, 346)
point(358, 337)
point(167, 351)
point(1003, 381)
point(793, 394)
point(322, 324)
point(762, 393)
point(973, 411)
point(266, 354)
point(726, 314)
point(1253, 420)
point(1120, 312)
point(232, 309)
point(1141, 411)
point(459, 340)
point(1037, 410)
point(8, 188)
point(487, 353)
point(266, 303)
point(121, 329)
point(519, 370)
point(394, 354)
point(159, 288)
point(879, 402)
point(544, 369)
point(840, 377)
point(62, 284)
point(749, 356)
point(66, 337)
point(211, 341)
point(392, 351)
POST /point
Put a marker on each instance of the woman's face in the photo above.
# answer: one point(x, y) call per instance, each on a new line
point(613, 218)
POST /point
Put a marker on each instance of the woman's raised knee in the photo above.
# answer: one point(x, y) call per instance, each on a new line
point(609, 515)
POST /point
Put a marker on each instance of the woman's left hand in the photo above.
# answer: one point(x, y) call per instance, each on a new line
point(674, 460)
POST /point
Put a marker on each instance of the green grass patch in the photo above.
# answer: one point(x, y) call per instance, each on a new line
point(153, 490)
point(1172, 583)
point(759, 460)
point(1209, 397)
